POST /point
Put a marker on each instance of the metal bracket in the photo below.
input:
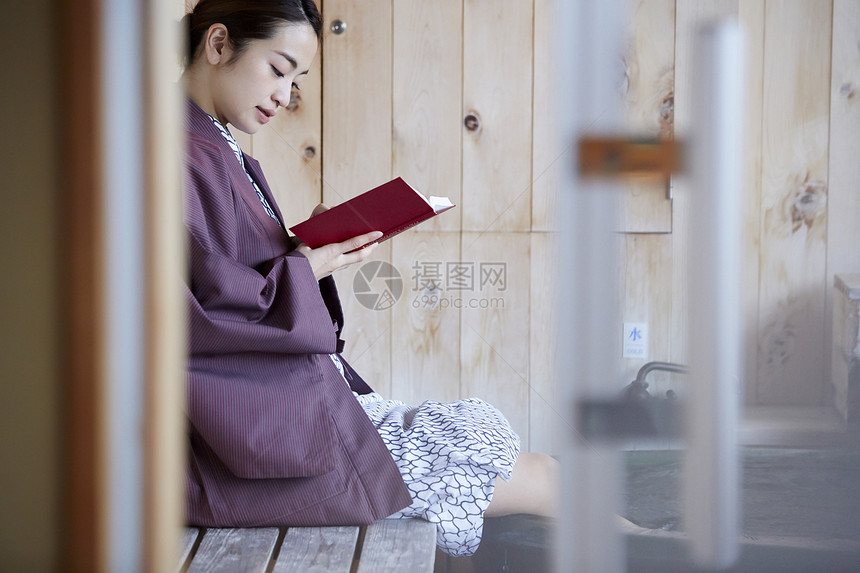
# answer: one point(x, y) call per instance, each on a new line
point(610, 420)
point(632, 417)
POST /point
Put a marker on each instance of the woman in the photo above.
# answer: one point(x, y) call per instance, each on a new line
point(282, 430)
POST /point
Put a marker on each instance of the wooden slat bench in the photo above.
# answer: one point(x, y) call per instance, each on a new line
point(393, 545)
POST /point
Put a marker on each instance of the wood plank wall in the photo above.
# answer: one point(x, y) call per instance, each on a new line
point(391, 96)
point(796, 105)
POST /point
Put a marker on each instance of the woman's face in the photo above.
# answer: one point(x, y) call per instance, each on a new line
point(248, 92)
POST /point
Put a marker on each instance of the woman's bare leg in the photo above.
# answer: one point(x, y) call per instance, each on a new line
point(533, 488)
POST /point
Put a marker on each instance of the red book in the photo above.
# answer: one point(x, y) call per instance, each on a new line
point(391, 208)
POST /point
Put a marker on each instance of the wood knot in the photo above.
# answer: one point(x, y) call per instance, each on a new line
point(295, 101)
point(624, 81)
point(472, 121)
point(310, 152)
point(667, 109)
point(778, 343)
point(807, 203)
point(666, 113)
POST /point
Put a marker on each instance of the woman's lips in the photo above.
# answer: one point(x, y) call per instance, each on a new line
point(263, 115)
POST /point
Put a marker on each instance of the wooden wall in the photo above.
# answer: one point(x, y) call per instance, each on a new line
point(801, 186)
point(397, 88)
point(802, 189)
point(391, 96)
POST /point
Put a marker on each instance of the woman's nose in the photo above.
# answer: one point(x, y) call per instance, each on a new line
point(281, 98)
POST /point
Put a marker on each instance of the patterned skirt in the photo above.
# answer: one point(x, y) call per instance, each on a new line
point(449, 456)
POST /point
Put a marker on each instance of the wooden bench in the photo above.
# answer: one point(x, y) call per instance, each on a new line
point(393, 545)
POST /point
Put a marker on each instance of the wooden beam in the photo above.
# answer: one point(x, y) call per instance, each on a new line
point(620, 157)
point(85, 493)
point(165, 260)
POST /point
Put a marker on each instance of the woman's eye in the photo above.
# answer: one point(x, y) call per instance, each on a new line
point(295, 86)
point(277, 73)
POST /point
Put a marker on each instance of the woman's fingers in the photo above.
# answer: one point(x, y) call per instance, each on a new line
point(359, 241)
point(347, 253)
point(321, 208)
point(357, 256)
point(329, 258)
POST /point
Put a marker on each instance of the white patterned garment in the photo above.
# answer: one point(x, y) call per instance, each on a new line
point(234, 145)
point(449, 456)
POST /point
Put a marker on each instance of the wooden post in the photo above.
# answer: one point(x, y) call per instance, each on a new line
point(84, 547)
point(164, 261)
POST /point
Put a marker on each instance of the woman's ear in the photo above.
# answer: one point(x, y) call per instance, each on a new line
point(217, 44)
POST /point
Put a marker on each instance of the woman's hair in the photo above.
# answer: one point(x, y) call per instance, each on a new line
point(247, 20)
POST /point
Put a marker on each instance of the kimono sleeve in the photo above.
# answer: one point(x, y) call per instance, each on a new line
point(234, 309)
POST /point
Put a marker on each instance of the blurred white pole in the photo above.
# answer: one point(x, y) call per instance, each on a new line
point(589, 329)
point(123, 262)
point(711, 473)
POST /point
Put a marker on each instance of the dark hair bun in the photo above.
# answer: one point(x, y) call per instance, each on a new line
point(247, 20)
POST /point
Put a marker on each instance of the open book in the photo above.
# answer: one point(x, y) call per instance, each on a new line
point(391, 208)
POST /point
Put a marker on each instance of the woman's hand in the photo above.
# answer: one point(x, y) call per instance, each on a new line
point(335, 256)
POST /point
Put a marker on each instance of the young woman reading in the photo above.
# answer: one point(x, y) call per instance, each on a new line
point(282, 430)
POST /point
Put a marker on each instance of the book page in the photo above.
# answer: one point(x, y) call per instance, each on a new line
point(439, 203)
